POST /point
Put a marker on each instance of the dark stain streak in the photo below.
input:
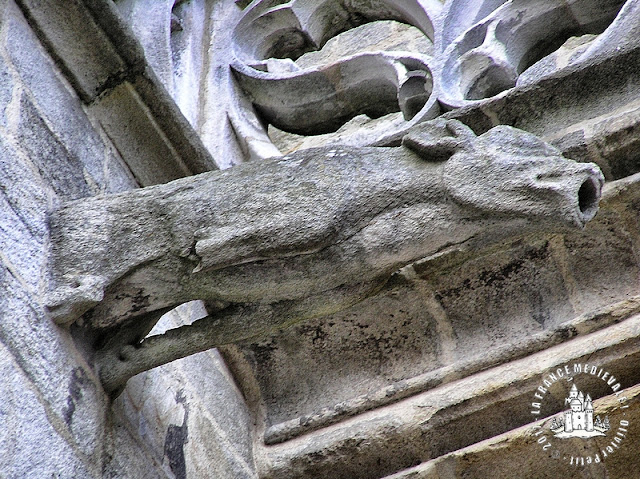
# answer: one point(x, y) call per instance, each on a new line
point(176, 438)
point(498, 279)
point(263, 352)
point(139, 302)
point(79, 379)
point(541, 313)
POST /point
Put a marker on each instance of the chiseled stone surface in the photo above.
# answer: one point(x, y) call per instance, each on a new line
point(56, 419)
point(435, 373)
point(518, 454)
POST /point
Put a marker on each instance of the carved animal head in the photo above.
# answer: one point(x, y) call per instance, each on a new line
point(511, 172)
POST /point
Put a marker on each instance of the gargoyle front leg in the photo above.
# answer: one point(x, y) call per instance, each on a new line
point(126, 354)
point(116, 347)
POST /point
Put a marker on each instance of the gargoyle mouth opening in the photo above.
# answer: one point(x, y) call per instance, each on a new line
point(588, 196)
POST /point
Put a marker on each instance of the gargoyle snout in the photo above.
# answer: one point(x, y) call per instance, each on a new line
point(576, 189)
point(588, 189)
point(589, 196)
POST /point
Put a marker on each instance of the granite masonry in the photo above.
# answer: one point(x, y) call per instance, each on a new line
point(426, 230)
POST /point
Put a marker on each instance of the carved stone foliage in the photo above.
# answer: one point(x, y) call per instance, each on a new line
point(272, 34)
point(252, 70)
point(473, 57)
point(258, 83)
point(488, 54)
point(479, 49)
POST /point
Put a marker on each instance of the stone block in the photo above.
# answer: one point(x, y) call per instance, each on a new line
point(118, 177)
point(503, 298)
point(450, 417)
point(617, 141)
point(518, 454)
point(149, 405)
point(150, 21)
point(47, 356)
point(96, 52)
point(610, 140)
point(568, 97)
point(214, 399)
point(22, 217)
point(327, 364)
point(200, 447)
point(139, 140)
point(448, 322)
point(79, 44)
point(208, 385)
point(603, 261)
point(62, 171)
point(189, 432)
point(54, 100)
point(383, 35)
point(33, 443)
point(187, 45)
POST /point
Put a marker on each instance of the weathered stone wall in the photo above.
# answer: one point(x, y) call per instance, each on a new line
point(53, 410)
point(56, 421)
point(190, 413)
point(433, 376)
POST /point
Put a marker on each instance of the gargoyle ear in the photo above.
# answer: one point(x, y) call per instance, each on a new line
point(439, 139)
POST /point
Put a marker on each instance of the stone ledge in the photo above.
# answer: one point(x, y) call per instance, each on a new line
point(106, 57)
point(450, 417)
point(517, 454)
point(582, 325)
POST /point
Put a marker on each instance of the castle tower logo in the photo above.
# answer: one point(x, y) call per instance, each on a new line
point(579, 427)
point(578, 419)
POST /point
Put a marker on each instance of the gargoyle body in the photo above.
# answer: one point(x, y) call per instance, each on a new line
point(275, 242)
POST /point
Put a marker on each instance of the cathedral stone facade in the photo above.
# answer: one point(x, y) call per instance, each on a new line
point(331, 239)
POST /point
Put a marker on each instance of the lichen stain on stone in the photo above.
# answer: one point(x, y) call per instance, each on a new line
point(498, 278)
point(139, 301)
point(176, 438)
point(79, 379)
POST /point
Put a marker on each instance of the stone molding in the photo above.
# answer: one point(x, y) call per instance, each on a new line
point(106, 66)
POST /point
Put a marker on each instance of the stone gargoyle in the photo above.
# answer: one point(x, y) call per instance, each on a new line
point(272, 243)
